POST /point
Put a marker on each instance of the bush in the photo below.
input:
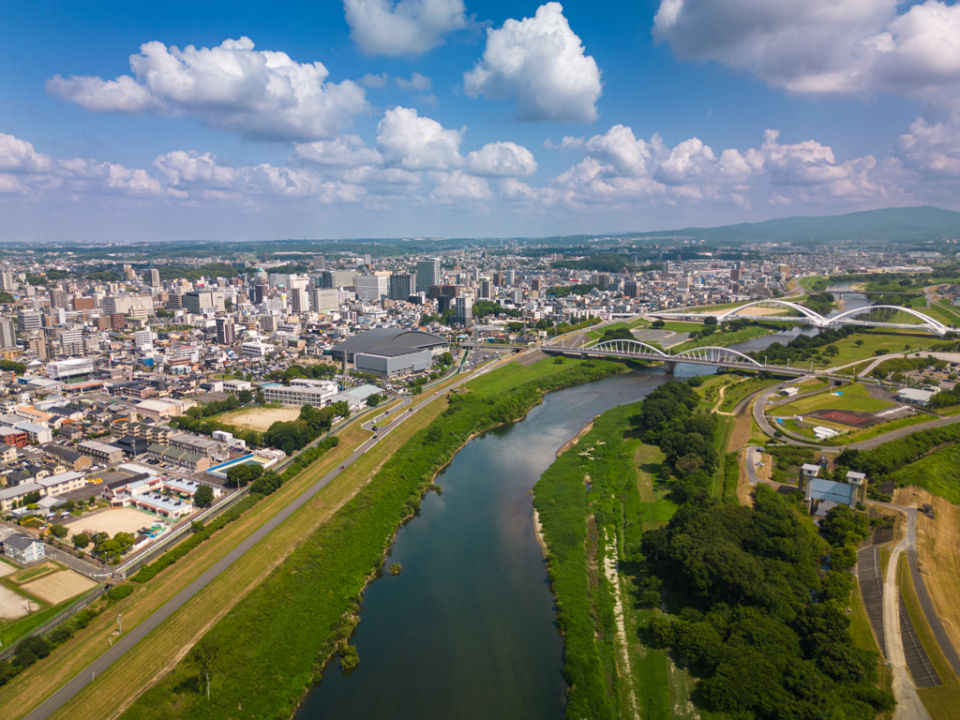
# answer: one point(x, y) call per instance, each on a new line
point(118, 593)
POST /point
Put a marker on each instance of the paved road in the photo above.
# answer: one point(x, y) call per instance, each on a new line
point(131, 638)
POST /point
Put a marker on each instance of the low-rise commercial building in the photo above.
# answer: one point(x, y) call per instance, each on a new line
point(108, 454)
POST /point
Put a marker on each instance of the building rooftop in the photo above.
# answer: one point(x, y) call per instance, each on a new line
point(379, 339)
point(840, 493)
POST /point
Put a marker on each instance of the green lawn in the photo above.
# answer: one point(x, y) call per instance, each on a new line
point(854, 397)
point(513, 374)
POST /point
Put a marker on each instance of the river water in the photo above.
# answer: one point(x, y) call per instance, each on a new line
point(468, 629)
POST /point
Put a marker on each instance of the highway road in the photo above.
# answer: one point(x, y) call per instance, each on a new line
point(126, 641)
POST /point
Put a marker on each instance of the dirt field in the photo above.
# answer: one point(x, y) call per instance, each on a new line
point(60, 586)
point(740, 435)
point(938, 562)
point(12, 605)
point(111, 521)
point(6, 569)
point(259, 419)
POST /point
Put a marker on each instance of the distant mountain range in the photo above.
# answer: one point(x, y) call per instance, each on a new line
point(908, 223)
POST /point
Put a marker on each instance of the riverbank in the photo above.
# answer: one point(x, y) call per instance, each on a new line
point(273, 642)
point(575, 439)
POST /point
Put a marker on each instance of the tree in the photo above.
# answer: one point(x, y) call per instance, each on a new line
point(81, 540)
point(374, 400)
point(245, 396)
point(203, 497)
point(710, 320)
point(832, 350)
point(204, 655)
point(858, 343)
point(59, 531)
point(658, 324)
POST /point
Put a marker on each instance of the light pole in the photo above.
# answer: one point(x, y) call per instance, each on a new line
point(120, 622)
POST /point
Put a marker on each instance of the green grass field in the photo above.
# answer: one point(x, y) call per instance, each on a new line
point(937, 472)
point(735, 393)
point(853, 397)
point(873, 341)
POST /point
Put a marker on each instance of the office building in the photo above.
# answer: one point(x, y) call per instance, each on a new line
point(29, 320)
point(402, 286)
point(203, 302)
point(428, 273)
point(324, 300)
point(136, 306)
point(511, 277)
point(7, 282)
point(335, 278)
point(154, 278)
point(58, 298)
point(319, 263)
point(83, 303)
point(226, 331)
point(372, 288)
point(464, 311)
point(485, 291)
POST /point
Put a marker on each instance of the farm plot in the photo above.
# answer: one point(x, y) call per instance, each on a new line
point(12, 605)
point(60, 586)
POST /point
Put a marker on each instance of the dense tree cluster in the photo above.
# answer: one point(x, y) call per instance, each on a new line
point(602, 262)
point(667, 419)
point(820, 302)
point(482, 308)
point(295, 434)
point(803, 347)
point(741, 582)
point(319, 371)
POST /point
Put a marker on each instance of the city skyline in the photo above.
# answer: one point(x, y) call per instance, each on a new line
point(445, 118)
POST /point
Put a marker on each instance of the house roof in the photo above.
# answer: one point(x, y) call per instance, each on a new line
point(840, 493)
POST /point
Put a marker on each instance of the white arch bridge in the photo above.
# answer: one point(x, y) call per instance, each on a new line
point(636, 350)
point(878, 316)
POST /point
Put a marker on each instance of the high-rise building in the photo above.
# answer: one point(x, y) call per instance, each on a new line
point(226, 331)
point(29, 320)
point(536, 284)
point(58, 298)
point(38, 345)
point(335, 278)
point(7, 282)
point(154, 278)
point(428, 273)
point(201, 302)
point(8, 334)
point(144, 339)
point(83, 303)
point(464, 311)
point(299, 302)
point(319, 263)
point(136, 306)
point(499, 280)
point(372, 288)
point(402, 286)
point(511, 277)
point(486, 290)
point(631, 289)
point(324, 300)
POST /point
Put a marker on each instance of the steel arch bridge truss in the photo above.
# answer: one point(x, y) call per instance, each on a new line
point(775, 310)
point(642, 351)
point(890, 316)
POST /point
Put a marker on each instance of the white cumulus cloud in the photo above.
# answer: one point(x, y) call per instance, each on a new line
point(539, 64)
point(418, 143)
point(416, 82)
point(261, 95)
point(345, 151)
point(407, 27)
point(502, 159)
point(822, 46)
point(18, 156)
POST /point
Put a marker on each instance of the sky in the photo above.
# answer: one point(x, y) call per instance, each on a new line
point(240, 120)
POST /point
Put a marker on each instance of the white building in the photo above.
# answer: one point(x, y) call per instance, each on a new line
point(301, 391)
point(66, 369)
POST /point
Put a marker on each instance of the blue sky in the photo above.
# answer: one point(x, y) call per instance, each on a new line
point(675, 112)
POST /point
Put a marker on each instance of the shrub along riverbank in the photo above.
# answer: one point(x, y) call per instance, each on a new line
point(275, 642)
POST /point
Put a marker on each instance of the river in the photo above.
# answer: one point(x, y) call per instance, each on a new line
point(468, 629)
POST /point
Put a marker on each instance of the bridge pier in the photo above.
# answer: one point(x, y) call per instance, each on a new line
point(669, 366)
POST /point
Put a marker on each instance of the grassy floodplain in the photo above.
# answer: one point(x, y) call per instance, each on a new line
point(275, 641)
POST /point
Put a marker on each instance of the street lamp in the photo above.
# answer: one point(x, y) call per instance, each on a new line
point(120, 622)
